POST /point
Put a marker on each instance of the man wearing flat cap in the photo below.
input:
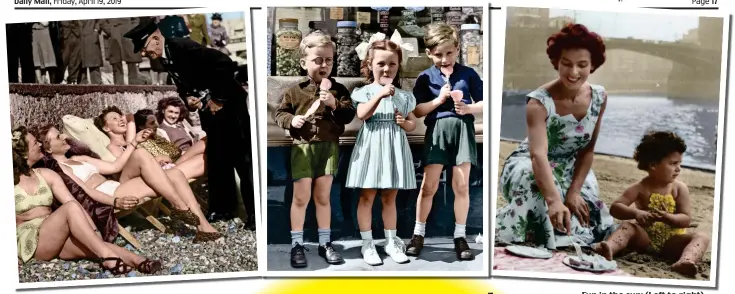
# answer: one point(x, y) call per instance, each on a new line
point(205, 79)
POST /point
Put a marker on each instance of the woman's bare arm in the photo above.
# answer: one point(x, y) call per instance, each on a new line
point(538, 145)
point(106, 167)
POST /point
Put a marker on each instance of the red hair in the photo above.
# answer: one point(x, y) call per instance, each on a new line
point(576, 36)
point(387, 45)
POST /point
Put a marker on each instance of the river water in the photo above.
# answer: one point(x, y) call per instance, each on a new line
point(628, 117)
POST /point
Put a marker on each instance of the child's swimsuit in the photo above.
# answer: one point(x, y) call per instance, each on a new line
point(660, 232)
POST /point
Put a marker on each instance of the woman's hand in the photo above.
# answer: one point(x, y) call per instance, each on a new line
point(143, 135)
point(387, 91)
point(125, 202)
point(578, 207)
point(560, 217)
point(163, 160)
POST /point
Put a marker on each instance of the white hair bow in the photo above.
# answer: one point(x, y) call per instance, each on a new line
point(363, 48)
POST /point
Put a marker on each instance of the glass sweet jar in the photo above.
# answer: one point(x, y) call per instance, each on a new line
point(348, 63)
point(288, 39)
point(471, 47)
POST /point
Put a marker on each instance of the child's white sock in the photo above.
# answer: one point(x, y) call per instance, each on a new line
point(459, 231)
point(419, 229)
point(389, 234)
point(367, 237)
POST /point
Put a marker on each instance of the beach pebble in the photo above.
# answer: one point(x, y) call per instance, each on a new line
point(237, 253)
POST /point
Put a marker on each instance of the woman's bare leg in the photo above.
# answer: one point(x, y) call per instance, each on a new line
point(193, 167)
point(74, 249)
point(390, 214)
point(142, 165)
point(629, 235)
point(70, 220)
point(196, 149)
point(181, 184)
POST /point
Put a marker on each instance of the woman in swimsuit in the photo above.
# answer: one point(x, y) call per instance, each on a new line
point(68, 232)
point(165, 152)
point(139, 176)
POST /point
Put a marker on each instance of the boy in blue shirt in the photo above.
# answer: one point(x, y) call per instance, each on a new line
point(450, 131)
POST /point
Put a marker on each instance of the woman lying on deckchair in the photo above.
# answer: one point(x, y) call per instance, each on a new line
point(68, 232)
point(140, 176)
point(121, 130)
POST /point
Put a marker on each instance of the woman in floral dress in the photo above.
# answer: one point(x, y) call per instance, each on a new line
point(547, 181)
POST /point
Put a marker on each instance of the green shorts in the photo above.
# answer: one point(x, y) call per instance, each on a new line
point(313, 160)
point(450, 142)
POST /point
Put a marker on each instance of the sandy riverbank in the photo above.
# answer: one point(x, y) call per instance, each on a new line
point(614, 174)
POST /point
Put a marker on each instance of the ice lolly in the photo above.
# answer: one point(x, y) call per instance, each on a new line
point(325, 85)
point(386, 81)
point(313, 108)
point(457, 95)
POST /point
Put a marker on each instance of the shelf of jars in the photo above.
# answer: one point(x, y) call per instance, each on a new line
point(350, 26)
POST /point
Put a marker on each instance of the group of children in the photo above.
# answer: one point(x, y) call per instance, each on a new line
point(316, 111)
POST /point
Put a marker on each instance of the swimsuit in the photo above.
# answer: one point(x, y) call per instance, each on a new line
point(660, 232)
point(27, 233)
point(85, 171)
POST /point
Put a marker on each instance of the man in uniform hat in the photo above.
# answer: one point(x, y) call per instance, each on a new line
point(205, 79)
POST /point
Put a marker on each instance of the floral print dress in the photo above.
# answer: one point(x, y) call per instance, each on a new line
point(525, 217)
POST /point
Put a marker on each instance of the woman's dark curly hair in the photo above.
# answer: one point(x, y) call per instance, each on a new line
point(576, 36)
point(172, 101)
point(141, 116)
point(655, 146)
point(20, 154)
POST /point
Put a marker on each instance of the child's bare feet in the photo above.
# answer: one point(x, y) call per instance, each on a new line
point(685, 267)
point(604, 249)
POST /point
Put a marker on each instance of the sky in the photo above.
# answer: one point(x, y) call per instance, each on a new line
point(647, 26)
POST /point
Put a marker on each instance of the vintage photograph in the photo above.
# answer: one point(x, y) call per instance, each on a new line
point(375, 139)
point(131, 144)
point(609, 143)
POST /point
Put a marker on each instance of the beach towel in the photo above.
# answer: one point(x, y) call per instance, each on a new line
point(504, 260)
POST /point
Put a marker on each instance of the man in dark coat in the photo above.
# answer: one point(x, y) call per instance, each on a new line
point(71, 49)
point(121, 49)
point(205, 79)
point(19, 37)
point(91, 51)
